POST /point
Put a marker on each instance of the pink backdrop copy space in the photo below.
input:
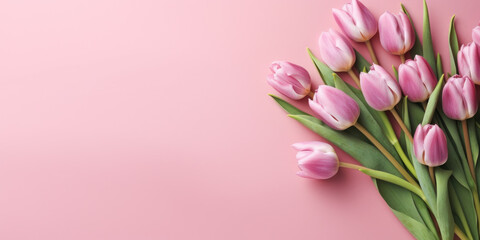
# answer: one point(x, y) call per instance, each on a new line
point(147, 119)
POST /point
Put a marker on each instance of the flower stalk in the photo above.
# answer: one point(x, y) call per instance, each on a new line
point(372, 52)
point(384, 151)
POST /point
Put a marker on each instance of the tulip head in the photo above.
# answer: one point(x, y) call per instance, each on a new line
point(380, 90)
point(396, 33)
point(430, 145)
point(476, 35)
point(469, 62)
point(289, 79)
point(356, 21)
point(336, 51)
point(417, 79)
point(459, 99)
point(334, 107)
point(316, 160)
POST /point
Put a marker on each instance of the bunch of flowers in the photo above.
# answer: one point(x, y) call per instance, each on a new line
point(428, 173)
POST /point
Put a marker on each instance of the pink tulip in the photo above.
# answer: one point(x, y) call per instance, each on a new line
point(459, 98)
point(334, 107)
point(356, 21)
point(469, 62)
point(380, 90)
point(289, 79)
point(396, 33)
point(316, 160)
point(476, 35)
point(430, 145)
point(336, 51)
point(417, 79)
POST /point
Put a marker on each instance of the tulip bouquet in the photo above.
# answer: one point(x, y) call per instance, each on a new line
point(427, 172)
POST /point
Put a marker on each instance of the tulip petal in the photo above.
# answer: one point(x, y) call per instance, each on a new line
point(412, 84)
point(435, 144)
point(418, 144)
point(345, 22)
point(452, 101)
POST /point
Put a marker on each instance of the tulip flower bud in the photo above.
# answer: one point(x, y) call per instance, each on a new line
point(316, 160)
point(396, 33)
point(417, 79)
point(430, 145)
point(356, 21)
point(334, 107)
point(289, 79)
point(476, 35)
point(459, 99)
point(469, 62)
point(380, 90)
point(336, 51)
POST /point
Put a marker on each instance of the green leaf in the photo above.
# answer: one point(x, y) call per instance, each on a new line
point(453, 46)
point(439, 65)
point(432, 102)
point(424, 212)
point(418, 229)
point(454, 163)
point(360, 62)
point(395, 71)
point(444, 212)
point(401, 200)
point(417, 47)
point(463, 206)
point(325, 72)
point(472, 134)
point(287, 106)
point(428, 52)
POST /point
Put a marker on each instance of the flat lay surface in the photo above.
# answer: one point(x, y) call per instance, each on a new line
point(151, 120)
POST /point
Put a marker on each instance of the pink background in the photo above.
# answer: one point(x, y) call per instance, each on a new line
point(150, 120)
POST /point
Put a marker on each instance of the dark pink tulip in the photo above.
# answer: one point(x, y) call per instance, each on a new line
point(459, 99)
point(380, 90)
point(469, 62)
point(334, 107)
point(316, 160)
point(356, 21)
point(289, 79)
point(396, 33)
point(336, 51)
point(430, 145)
point(417, 79)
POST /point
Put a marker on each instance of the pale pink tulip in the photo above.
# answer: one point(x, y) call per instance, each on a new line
point(380, 90)
point(430, 145)
point(396, 33)
point(417, 79)
point(316, 160)
point(336, 51)
point(356, 21)
point(289, 79)
point(459, 99)
point(469, 62)
point(334, 107)
point(476, 35)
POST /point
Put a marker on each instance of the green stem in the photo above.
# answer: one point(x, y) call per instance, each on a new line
point(392, 138)
point(459, 233)
point(386, 177)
